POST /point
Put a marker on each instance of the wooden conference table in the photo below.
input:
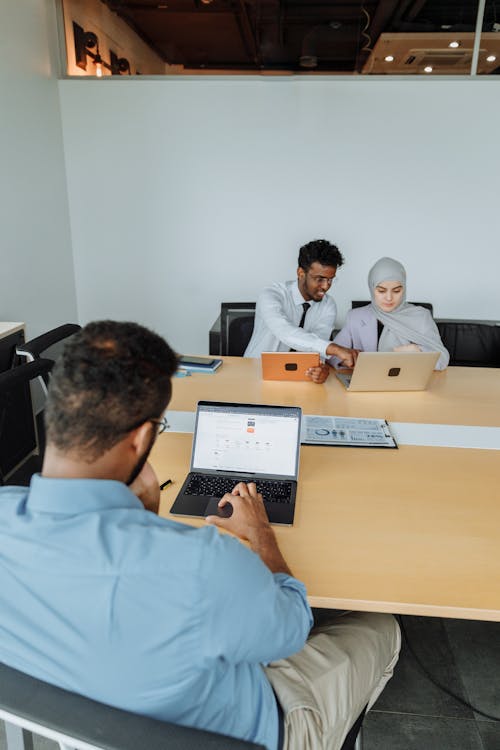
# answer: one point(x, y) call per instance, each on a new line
point(411, 531)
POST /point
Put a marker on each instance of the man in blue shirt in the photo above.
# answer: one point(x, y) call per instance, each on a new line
point(102, 597)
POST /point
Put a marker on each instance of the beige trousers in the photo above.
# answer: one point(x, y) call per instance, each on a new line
point(344, 666)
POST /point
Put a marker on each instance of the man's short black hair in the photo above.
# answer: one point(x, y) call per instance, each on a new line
point(110, 378)
point(322, 252)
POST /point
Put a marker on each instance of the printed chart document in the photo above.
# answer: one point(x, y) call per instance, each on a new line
point(347, 431)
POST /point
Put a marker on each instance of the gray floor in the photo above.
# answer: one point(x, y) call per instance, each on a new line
point(413, 714)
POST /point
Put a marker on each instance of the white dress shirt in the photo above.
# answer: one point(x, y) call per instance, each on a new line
point(277, 317)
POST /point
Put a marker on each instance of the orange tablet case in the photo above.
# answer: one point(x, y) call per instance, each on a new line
point(288, 365)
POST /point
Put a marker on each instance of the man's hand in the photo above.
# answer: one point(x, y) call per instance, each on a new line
point(347, 356)
point(147, 488)
point(318, 374)
point(249, 521)
point(249, 514)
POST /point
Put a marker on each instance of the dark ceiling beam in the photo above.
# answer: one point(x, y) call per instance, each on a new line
point(281, 22)
point(384, 16)
point(247, 33)
point(117, 8)
point(404, 6)
point(417, 7)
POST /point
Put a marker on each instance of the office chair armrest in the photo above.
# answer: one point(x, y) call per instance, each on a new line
point(36, 346)
point(24, 373)
point(32, 701)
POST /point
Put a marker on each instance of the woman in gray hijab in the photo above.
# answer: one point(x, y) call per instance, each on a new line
point(389, 322)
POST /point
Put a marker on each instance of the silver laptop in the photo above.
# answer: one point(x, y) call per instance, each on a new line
point(243, 443)
point(390, 371)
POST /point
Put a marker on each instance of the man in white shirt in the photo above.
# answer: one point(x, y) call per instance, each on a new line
point(299, 315)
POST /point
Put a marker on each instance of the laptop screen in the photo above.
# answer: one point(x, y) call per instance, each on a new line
point(247, 438)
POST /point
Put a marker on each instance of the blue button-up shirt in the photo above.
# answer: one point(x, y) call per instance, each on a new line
point(106, 599)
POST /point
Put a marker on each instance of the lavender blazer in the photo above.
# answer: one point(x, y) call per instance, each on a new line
point(359, 331)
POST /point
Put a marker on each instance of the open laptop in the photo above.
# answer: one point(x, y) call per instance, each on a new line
point(288, 365)
point(243, 443)
point(390, 371)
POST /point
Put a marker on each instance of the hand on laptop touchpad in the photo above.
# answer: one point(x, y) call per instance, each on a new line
point(213, 509)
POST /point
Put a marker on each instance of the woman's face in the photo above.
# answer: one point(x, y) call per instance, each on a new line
point(388, 295)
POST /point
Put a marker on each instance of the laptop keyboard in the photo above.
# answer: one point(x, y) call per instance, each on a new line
point(345, 378)
point(213, 486)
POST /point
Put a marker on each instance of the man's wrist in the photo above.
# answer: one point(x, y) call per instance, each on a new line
point(263, 543)
point(261, 535)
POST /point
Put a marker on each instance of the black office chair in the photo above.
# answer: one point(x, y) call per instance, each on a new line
point(48, 345)
point(471, 343)
point(239, 334)
point(236, 327)
point(19, 437)
point(77, 723)
point(362, 303)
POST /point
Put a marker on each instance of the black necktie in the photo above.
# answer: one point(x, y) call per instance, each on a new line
point(305, 307)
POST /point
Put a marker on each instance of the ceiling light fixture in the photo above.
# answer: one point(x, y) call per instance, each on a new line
point(454, 45)
point(308, 61)
point(315, 40)
point(428, 69)
point(124, 66)
point(389, 58)
point(98, 64)
point(491, 58)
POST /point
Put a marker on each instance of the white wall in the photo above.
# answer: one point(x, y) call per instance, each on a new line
point(36, 265)
point(187, 192)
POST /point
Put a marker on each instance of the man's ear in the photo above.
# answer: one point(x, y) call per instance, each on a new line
point(300, 272)
point(140, 438)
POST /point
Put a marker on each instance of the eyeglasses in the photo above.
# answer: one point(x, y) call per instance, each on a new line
point(322, 279)
point(162, 424)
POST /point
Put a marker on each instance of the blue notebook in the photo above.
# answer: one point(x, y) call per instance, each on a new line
point(199, 364)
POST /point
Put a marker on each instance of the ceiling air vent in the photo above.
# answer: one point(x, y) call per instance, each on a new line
point(448, 58)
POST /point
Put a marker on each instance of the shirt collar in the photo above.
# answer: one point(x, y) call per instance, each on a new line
point(69, 496)
point(297, 297)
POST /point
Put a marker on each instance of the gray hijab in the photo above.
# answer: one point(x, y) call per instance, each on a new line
point(406, 323)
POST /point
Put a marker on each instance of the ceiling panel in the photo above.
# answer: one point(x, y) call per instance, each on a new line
point(292, 35)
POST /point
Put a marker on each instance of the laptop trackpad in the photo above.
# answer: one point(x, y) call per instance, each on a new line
point(213, 509)
point(190, 505)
